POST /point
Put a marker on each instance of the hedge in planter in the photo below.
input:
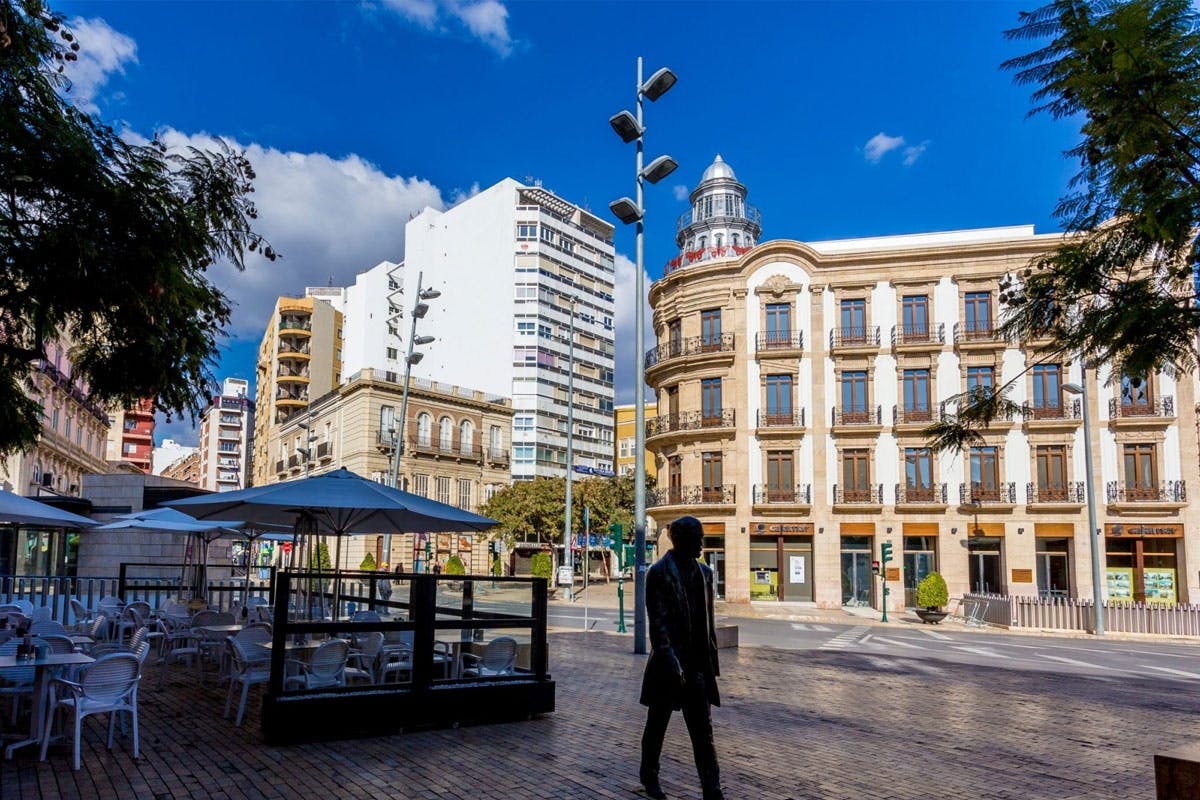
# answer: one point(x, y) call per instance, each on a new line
point(454, 566)
point(932, 593)
point(540, 566)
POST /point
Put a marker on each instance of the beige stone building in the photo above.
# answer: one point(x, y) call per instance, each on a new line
point(625, 446)
point(456, 451)
point(185, 470)
point(793, 383)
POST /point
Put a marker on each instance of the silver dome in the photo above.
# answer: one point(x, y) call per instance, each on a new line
point(718, 169)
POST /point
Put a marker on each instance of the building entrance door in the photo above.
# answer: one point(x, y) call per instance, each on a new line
point(797, 567)
point(716, 560)
point(986, 573)
point(857, 581)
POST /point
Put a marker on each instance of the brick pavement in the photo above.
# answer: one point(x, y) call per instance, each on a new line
point(795, 725)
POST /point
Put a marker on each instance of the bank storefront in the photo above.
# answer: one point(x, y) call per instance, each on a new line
point(1142, 562)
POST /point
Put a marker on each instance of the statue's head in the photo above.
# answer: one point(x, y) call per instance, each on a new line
point(687, 537)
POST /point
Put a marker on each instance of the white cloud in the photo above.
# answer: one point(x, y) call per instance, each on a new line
point(102, 51)
point(913, 152)
point(462, 195)
point(485, 20)
point(880, 145)
point(682, 191)
point(625, 355)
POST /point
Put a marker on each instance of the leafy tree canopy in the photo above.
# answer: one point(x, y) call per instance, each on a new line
point(535, 508)
point(1119, 290)
point(105, 242)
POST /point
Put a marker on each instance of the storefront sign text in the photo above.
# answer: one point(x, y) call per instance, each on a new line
point(1145, 530)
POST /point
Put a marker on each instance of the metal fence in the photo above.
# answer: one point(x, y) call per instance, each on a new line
point(1076, 614)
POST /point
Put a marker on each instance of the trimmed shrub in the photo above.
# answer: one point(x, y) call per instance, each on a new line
point(932, 592)
point(540, 566)
point(454, 566)
point(368, 563)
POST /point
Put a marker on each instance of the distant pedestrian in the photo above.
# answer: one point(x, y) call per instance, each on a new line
point(682, 670)
point(437, 568)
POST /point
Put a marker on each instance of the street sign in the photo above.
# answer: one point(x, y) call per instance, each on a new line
point(564, 576)
point(586, 470)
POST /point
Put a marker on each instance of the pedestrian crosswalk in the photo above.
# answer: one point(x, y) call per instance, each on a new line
point(805, 626)
point(845, 638)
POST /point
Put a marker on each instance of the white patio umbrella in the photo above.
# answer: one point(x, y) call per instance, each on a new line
point(18, 510)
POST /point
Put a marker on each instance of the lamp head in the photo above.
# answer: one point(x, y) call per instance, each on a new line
point(625, 210)
point(429, 294)
point(626, 126)
point(659, 83)
point(420, 310)
point(1072, 388)
point(659, 168)
point(415, 357)
point(418, 340)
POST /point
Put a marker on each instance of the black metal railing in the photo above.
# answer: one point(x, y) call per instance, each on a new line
point(920, 415)
point(865, 495)
point(978, 493)
point(1050, 411)
point(977, 332)
point(1165, 492)
point(793, 495)
point(324, 450)
point(1159, 407)
point(910, 495)
point(778, 419)
point(779, 340)
point(1069, 492)
point(280, 466)
point(695, 345)
point(497, 455)
point(858, 416)
point(689, 421)
point(854, 337)
point(919, 334)
point(691, 495)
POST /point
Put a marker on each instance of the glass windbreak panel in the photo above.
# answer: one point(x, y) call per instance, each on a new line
point(481, 653)
point(449, 599)
point(502, 598)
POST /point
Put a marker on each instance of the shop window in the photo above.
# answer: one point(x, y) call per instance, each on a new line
point(857, 580)
point(986, 573)
point(1053, 567)
point(920, 559)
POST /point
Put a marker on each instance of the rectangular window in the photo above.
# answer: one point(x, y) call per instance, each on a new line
point(525, 356)
point(854, 320)
point(387, 422)
point(1141, 472)
point(547, 235)
point(1047, 390)
point(780, 477)
point(710, 329)
point(779, 400)
point(713, 477)
point(523, 453)
point(916, 396)
point(779, 324)
point(1052, 472)
point(978, 314)
point(526, 291)
point(675, 337)
point(443, 490)
point(523, 423)
point(1136, 395)
point(916, 318)
point(526, 230)
point(856, 476)
point(526, 328)
point(918, 474)
point(710, 401)
point(985, 474)
point(392, 354)
point(625, 448)
point(67, 427)
point(421, 485)
point(464, 494)
point(980, 381)
point(854, 397)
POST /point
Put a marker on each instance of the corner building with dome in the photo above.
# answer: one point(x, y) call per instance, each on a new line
point(793, 382)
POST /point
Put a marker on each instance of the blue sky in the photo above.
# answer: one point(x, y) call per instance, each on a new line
point(842, 119)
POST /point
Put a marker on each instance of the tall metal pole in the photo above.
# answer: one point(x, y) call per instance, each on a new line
point(568, 556)
point(639, 384)
point(1093, 532)
point(398, 425)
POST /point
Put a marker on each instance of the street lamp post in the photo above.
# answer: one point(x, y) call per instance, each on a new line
point(568, 533)
point(420, 309)
point(1090, 485)
point(630, 129)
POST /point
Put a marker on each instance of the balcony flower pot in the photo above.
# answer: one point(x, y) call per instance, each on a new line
point(932, 596)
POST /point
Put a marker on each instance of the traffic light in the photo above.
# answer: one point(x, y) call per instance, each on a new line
point(885, 552)
point(874, 567)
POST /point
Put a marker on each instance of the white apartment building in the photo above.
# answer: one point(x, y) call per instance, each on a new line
point(226, 438)
point(509, 262)
point(372, 333)
point(167, 453)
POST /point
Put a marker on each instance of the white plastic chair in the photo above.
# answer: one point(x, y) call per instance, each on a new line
point(106, 686)
point(362, 665)
point(327, 667)
point(48, 626)
point(247, 668)
point(83, 616)
point(15, 682)
point(42, 614)
point(499, 658)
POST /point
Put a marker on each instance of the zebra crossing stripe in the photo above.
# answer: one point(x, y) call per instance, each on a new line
point(935, 635)
point(846, 638)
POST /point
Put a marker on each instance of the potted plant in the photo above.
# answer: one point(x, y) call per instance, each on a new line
point(367, 564)
point(540, 566)
point(932, 596)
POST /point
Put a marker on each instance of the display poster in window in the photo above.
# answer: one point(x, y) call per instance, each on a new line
point(1120, 584)
point(796, 569)
point(1160, 585)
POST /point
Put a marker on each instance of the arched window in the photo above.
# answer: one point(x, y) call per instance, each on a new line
point(466, 436)
point(734, 238)
point(445, 434)
point(718, 240)
point(424, 429)
point(703, 242)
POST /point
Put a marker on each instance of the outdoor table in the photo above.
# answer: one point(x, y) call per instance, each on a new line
point(81, 641)
point(41, 688)
point(220, 630)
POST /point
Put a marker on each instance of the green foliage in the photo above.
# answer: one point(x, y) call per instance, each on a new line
point(319, 559)
point(368, 563)
point(540, 565)
point(932, 592)
point(536, 507)
point(454, 566)
point(105, 242)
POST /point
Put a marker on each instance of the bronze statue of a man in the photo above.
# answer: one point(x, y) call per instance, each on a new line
point(682, 670)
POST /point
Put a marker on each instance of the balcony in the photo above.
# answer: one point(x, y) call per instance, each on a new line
point(1056, 415)
point(918, 337)
point(686, 421)
point(860, 497)
point(980, 333)
point(691, 496)
point(923, 496)
point(785, 423)
point(280, 467)
point(920, 416)
point(862, 420)
point(1166, 496)
point(1068, 494)
point(779, 342)
point(295, 325)
point(497, 455)
point(1156, 412)
point(854, 338)
point(766, 495)
point(293, 461)
point(441, 448)
point(722, 344)
point(1000, 494)
point(324, 451)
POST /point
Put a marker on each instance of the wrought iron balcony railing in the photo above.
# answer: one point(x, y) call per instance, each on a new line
point(689, 421)
point(324, 450)
point(279, 466)
point(916, 416)
point(976, 332)
point(1165, 492)
point(695, 345)
point(858, 416)
point(794, 495)
point(911, 495)
point(781, 419)
point(1069, 492)
point(691, 496)
point(779, 340)
point(1067, 411)
point(919, 334)
point(1159, 407)
point(865, 495)
point(1003, 492)
point(854, 337)
point(497, 455)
